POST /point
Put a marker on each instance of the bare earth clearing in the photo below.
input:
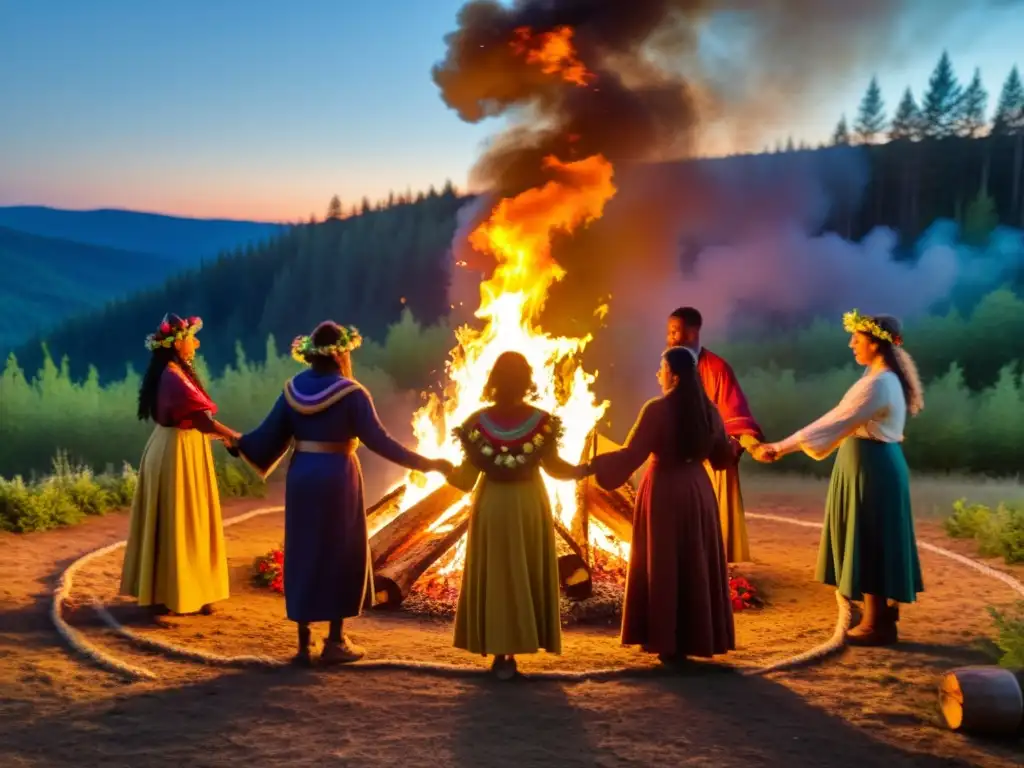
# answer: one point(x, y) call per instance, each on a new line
point(863, 707)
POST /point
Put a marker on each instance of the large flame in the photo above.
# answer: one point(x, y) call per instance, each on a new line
point(518, 235)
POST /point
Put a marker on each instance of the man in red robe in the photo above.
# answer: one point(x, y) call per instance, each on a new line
point(724, 391)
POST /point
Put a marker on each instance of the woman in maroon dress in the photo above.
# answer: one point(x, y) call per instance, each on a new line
point(677, 588)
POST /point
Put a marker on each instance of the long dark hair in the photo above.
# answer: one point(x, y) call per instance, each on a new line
point(900, 363)
point(150, 389)
point(510, 380)
point(324, 335)
point(690, 407)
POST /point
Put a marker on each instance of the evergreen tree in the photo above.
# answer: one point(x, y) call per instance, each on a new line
point(973, 105)
point(841, 135)
point(940, 110)
point(906, 123)
point(1009, 117)
point(871, 115)
point(981, 218)
point(334, 208)
point(790, 147)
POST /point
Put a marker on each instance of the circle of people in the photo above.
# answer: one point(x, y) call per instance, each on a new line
point(688, 521)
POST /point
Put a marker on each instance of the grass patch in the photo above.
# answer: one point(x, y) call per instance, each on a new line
point(71, 493)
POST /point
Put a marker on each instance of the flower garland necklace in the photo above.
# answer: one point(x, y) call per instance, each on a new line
point(303, 347)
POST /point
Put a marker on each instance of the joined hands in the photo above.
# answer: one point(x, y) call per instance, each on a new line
point(766, 453)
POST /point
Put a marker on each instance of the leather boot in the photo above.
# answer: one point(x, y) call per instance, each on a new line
point(878, 627)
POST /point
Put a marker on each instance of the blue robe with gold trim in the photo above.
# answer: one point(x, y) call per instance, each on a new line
point(327, 565)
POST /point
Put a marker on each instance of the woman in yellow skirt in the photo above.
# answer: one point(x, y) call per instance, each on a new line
point(175, 561)
point(508, 603)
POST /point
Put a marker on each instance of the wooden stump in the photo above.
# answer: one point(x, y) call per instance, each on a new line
point(982, 700)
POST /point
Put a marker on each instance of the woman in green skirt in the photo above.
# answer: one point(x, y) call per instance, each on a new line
point(868, 548)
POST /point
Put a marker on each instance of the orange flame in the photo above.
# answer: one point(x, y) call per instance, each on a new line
point(518, 234)
point(554, 52)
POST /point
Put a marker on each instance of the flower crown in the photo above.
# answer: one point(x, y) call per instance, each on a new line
point(173, 329)
point(303, 347)
point(855, 322)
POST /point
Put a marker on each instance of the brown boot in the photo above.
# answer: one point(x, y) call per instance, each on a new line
point(877, 627)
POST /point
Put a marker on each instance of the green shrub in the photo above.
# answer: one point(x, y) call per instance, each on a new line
point(1010, 636)
point(72, 493)
point(998, 532)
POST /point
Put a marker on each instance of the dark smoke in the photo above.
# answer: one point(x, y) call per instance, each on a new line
point(741, 237)
point(667, 70)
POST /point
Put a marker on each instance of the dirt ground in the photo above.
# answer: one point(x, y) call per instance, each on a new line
point(862, 707)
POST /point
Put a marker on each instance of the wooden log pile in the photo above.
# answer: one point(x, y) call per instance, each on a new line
point(410, 543)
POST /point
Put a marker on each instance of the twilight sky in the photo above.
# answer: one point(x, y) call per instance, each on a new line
point(242, 109)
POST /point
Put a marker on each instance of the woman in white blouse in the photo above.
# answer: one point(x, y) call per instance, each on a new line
point(868, 548)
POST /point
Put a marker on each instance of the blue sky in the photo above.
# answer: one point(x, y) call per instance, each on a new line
point(242, 109)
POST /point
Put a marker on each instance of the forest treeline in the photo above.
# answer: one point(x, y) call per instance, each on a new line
point(365, 263)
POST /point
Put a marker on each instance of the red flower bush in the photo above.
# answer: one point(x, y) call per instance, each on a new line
point(268, 570)
point(743, 594)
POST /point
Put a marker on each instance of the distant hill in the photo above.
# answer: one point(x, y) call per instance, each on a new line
point(184, 240)
point(46, 280)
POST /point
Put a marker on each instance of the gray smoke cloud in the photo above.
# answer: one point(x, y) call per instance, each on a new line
point(739, 237)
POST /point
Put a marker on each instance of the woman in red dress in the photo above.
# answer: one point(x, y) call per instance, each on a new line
point(677, 587)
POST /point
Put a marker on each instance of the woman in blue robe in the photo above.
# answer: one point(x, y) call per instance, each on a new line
point(324, 413)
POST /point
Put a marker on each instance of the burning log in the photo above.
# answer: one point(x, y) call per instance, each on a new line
point(384, 508)
point(613, 509)
point(395, 578)
point(412, 523)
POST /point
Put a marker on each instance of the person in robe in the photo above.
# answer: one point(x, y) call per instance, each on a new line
point(175, 560)
point(868, 547)
point(509, 603)
point(677, 601)
point(324, 414)
point(722, 386)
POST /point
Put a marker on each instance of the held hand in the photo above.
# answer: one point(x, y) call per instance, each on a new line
point(766, 453)
point(584, 470)
point(442, 466)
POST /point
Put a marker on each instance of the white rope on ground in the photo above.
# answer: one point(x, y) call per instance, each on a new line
point(835, 643)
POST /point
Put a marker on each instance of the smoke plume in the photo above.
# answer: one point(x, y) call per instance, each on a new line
point(667, 71)
point(739, 237)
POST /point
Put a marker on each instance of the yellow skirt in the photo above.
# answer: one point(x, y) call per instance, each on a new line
point(176, 555)
point(508, 603)
point(730, 513)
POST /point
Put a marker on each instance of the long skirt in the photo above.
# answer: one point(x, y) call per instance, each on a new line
point(508, 603)
point(677, 586)
point(868, 544)
point(726, 483)
point(176, 555)
point(327, 567)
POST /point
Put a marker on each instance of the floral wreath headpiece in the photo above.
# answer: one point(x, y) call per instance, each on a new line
point(303, 347)
point(172, 329)
point(855, 322)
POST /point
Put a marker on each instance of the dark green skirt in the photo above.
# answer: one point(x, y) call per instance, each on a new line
point(868, 543)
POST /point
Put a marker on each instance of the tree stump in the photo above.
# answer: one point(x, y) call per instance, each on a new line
point(982, 700)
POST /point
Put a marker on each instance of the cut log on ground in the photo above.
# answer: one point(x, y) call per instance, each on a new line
point(982, 700)
point(408, 526)
point(395, 577)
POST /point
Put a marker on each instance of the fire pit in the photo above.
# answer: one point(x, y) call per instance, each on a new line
point(422, 542)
